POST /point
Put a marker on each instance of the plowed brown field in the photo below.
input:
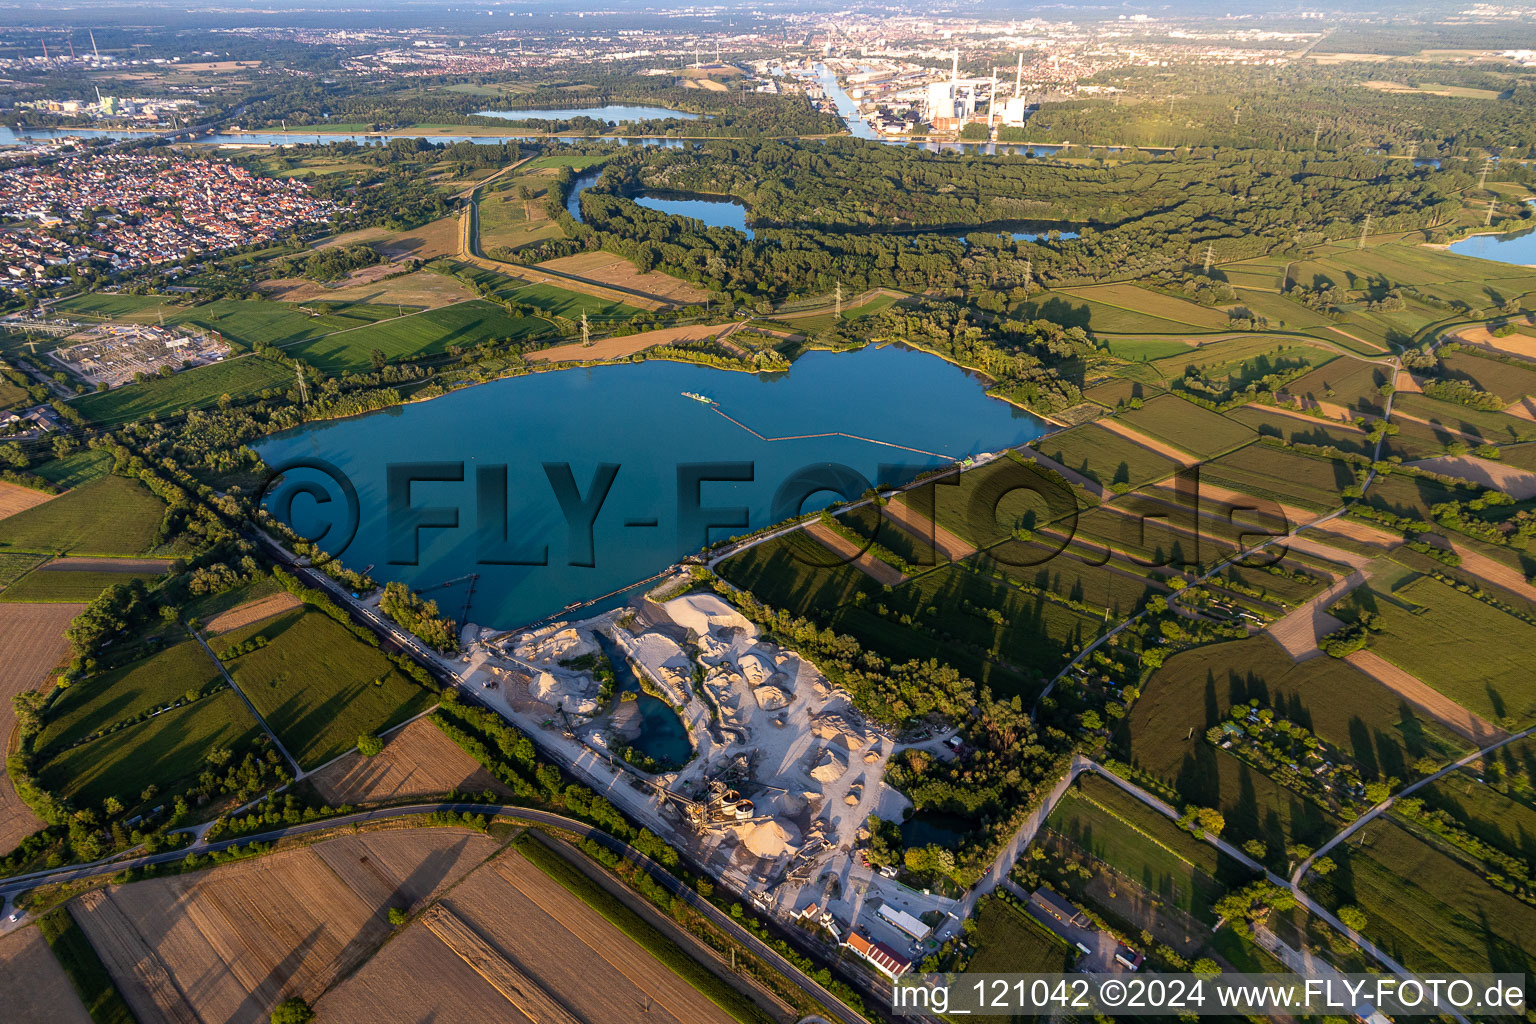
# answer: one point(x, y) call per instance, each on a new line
point(33, 645)
point(228, 943)
point(417, 761)
point(35, 986)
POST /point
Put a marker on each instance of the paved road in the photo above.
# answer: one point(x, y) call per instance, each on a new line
point(11, 887)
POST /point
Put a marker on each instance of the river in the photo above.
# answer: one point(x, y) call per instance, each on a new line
point(632, 416)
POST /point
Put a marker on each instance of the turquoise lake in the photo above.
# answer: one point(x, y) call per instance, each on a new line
point(635, 417)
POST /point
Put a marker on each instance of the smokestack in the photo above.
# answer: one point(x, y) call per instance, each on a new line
point(45, 50)
point(992, 100)
point(71, 41)
point(94, 51)
point(954, 71)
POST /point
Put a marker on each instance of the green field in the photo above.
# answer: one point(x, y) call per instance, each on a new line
point(941, 614)
point(12, 396)
point(243, 322)
point(1433, 913)
point(91, 705)
point(1114, 393)
point(197, 388)
point(1505, 824)
point(52, 586)
point(1414, 496)
point(1120, 591)
point(547, 298)
point(206, 607)
point(1105, 457)
point(1264, 471)
point(1509, 381)
point(1303, 430)
point(1009, 941)
point(1352, 383)
point(113, 516)
point(1341, 704)
point(1436, 633)
point(983, 505)
point(73, 470)
point(15, 564)
point(87, 975)
point(1187, 426)
point(167, 751)
point(1157, 855)
point(1473, 425)
point(463, 324)
point(318, 686)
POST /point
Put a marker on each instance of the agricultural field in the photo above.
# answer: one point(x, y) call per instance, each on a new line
point(15, 565)
point(469, 959)
point(432, 332)
point(166, 751)
point(1187, 427)
point(422, 289)
point(198, 388)
point(616, 272)
point(1503, 823)
point(1414, 496)
point(112, 516)
point(981, 506)
point(1009, 941)
point(82, 467)
point(15, 498)
point(944, 614)
point(1437, 633)
point(1105, 457)
point(1179, 870)
point(53, 583)
point(211, 607)
point(1463, 423)
point(417, 762)
point(543, 295)
point(1283, 313)
point(1117, 587)
point(34, 647)
point(1243, 357)
point(1264, 471)
point(1352, 384)
point(118, 695)
point(1132, 299)
point(429, 241)
point(1509, 381)
point(1295, 428)
point(1433, 913)
point(242, 322)
point(36, 987)
point(1118, 392)
point(230, 942)
point(1164, 735)
point(317, 685)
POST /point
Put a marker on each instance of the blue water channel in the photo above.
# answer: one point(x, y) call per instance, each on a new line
point(674, 456)
point(620, 113)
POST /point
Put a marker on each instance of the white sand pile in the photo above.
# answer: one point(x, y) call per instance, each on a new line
point(836, 727)
point(707, 615)
point(770, 697)
point(469, 634)
point(766, 839)
point(554, 689)
point(561, 645)
point(712, 651)
point(829, 767)
point(755, 668)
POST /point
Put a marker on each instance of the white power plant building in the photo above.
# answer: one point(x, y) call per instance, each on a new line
point(951, 100)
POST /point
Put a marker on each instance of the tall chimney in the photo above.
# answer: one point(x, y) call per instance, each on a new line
point(954, 73)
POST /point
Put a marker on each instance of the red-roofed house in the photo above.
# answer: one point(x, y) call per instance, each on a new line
point(886, 960)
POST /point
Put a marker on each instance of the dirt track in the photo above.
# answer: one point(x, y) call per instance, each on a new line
point(1299, 630)
point(874, 568)
point(84, 564)
point(1426, 697)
